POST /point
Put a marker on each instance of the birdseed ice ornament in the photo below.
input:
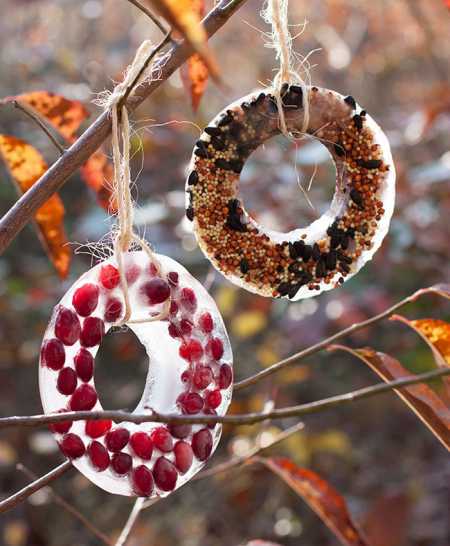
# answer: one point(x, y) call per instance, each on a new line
point(305, 261)
point(190, 372)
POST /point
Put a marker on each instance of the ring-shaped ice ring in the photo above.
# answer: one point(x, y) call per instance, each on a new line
point(190, 373)
point(305, 261)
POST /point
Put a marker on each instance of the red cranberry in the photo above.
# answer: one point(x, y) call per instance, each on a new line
point(113, 310)
point(183, 456)
point(213, 399)
point(157, 290)
point(63, 426)
point(84, 398)
point(97, 428)
point(142, 481)
point(162, 439)
point(132, 272)
point(153, 270)
point(142, 445)
point(173, 308)
point(190, 402)
point(72, 446)
point(67, 381)
point(67, 326)
point(215, 348)
point(210, 411)
point(191, 350)
point(202, 443)
point(98, 455)
point(225, 376)
point(121, 463)
point(92, 332)
point(173, 330)
point(180, 431)
point(188, 299)
point(109, 276)
point(117, 439)
point(186, 327)
point(85, 299)
point(165, 474)
point(172, 277)
point(202, 376)
point(53, 354)
point(186, 376)
point(206, 323)
point(84, 365)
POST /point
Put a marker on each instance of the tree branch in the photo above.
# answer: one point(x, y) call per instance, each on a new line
point(297, 357)
point(150, 15)
point(31, 488)
point(238, 419)
point(24, 209)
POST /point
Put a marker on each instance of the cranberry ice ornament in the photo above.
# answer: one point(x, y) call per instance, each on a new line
point(190, 373)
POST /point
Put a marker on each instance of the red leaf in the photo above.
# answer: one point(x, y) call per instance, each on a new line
point(194, 75)
point(321, 497)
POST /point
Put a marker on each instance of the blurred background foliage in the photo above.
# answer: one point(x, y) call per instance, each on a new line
point(393, 58)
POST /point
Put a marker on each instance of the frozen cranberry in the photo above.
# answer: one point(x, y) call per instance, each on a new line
point(84, 398)
point(202, 376)
point(142, 481)
point(210, 411)
point(132, 272)
point(186, 376)
point(173, 330)
point(67, 326)
point(63, 426)
point(202, 443)
point(183, 456)
point(215, 348)
point(186, 327)
point(67, 381)
point(180, 431)
point(85, 299)
point(53, 354)
point(191, 350)
point(92, 332)
point(165, 474)
point(113, 310)
point(72, 446)
point(162, 439)
point(121, 463)
point(98, 455)
point(173, 308)
point(206, 323)
point(213, 399)
point(84, 365)
point(172, 277)
point(188, 299)
point(142, 445)
point(97, 428)
point(153, 270)
point(190, 402)
point(225, 376)
point(157, 290)
point(117, 439)
point(109, 276)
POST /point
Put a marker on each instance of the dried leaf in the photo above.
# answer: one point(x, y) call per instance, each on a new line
point(183, 16)
point(63, 114)
point(98, 174)
point(424, 402)
point(26, 166)
point(194, 74)
point(321, 497)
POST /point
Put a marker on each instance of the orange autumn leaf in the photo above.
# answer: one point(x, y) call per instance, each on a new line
point(321, 497)
point(194, 74)
point(26, 166)
point(65, 115)
point(98, 174)
point(183, 16)
point(423, 401)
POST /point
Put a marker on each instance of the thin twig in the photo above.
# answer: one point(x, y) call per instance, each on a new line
point(32, 114)
point(297, 357)
point(132, 518)
point(237, 419)
point(150, 15)
point(55, 177)
point(31, 488)
point(68, 507)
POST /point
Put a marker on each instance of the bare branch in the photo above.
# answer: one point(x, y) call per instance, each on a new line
point(24, 209)
point(31, 488)
point(238, 419)
point(149, 14)
point(132, 519)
